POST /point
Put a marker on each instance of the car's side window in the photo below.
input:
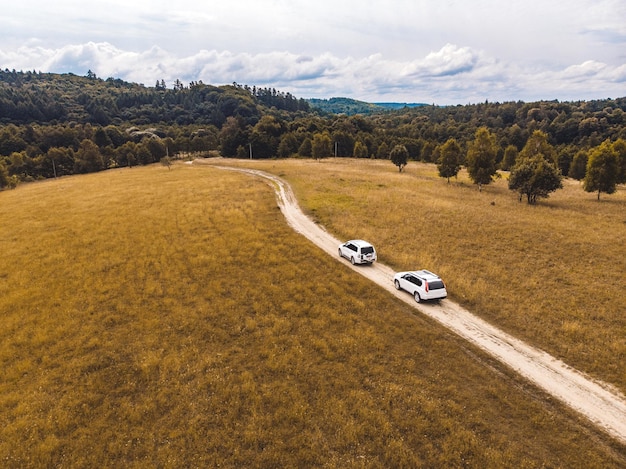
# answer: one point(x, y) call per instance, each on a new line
point(352, 247)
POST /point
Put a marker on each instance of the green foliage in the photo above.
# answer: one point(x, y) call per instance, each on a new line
point(537, 144)
point(306, 147)
point(602, 169)
point(578, 168)
point(449, 163)
point(321, 146)
point(360, 150)
point(620, 147)
point(344, 106)
point(4, 175)
point(88, 158)
point(481, 157)
point(43, 111)
point(399, 156)
point(383, 151)
point(510, 155)
point(534, 177)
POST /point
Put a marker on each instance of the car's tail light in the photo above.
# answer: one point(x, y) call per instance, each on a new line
point(426, 286)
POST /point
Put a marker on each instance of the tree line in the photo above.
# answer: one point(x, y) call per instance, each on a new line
point(69, 124)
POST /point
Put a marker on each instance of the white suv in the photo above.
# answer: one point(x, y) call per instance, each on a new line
point(422, 284)
point(358, 251)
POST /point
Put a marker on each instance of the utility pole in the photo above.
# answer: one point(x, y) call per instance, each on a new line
point(250, 145)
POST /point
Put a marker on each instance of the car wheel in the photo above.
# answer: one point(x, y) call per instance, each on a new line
point(416, 295)
point(352, 260)
point(397, 284)
point(340, 255)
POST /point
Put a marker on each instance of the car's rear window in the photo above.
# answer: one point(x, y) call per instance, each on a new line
point(435, 285)
point(367, 250)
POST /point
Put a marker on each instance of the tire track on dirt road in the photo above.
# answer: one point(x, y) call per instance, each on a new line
point(604, 407)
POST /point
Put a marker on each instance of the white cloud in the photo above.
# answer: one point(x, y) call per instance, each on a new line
point(449, 75)
point(444, 51)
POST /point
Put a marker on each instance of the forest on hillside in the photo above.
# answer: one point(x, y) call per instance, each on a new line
point(58, 124)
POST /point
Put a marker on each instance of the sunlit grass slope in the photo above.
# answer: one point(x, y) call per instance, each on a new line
point(156, 318)
point(553, 274)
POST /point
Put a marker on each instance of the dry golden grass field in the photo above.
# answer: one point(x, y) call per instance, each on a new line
point(553, 274)
point(170, 318)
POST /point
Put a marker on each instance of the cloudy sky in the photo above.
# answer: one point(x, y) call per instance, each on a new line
point(430, 51)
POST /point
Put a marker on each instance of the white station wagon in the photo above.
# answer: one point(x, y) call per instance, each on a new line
point(422, 284)
point(358, 251)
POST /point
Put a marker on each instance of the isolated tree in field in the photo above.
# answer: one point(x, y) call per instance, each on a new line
point(449, 162)
point(399, 156)
point(534, 177)
point(481, 158)
point(321, 146)
point(602, 169)
point(167, 161)
point(579, 166)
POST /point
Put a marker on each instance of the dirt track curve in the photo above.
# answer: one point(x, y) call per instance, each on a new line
point(596, 401)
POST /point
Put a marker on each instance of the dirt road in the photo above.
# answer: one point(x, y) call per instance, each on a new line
point(596, 401)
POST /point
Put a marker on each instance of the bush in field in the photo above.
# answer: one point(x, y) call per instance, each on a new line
point(534, 177)
point(399, 156)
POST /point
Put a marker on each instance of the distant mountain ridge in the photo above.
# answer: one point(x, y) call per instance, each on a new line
point(350, 106)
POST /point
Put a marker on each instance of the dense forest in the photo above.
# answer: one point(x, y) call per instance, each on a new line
point(59, 124)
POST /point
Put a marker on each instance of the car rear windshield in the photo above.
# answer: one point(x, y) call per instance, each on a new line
point(367, 250)
point(436, 285)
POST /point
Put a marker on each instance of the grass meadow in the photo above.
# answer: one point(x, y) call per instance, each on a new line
point(171, 318)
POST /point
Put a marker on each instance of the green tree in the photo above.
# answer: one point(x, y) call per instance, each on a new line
point(481, 157)
point(61, 160)
point(510, 155)
point(360, 150)
point(265, 137)
point(232, 136)
point(602, 169)
point(579, 166)
point(619, 146)
point(88, 158)
point(101, 138)
point(538, 144)
point(126, 155)
point(321, 146)
point(4, 175)
point(399, 156)
point(288, 145)
point(306, 147)
point(534, 177)
point(156, 147)
point(383, 151)
point(449, 159)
